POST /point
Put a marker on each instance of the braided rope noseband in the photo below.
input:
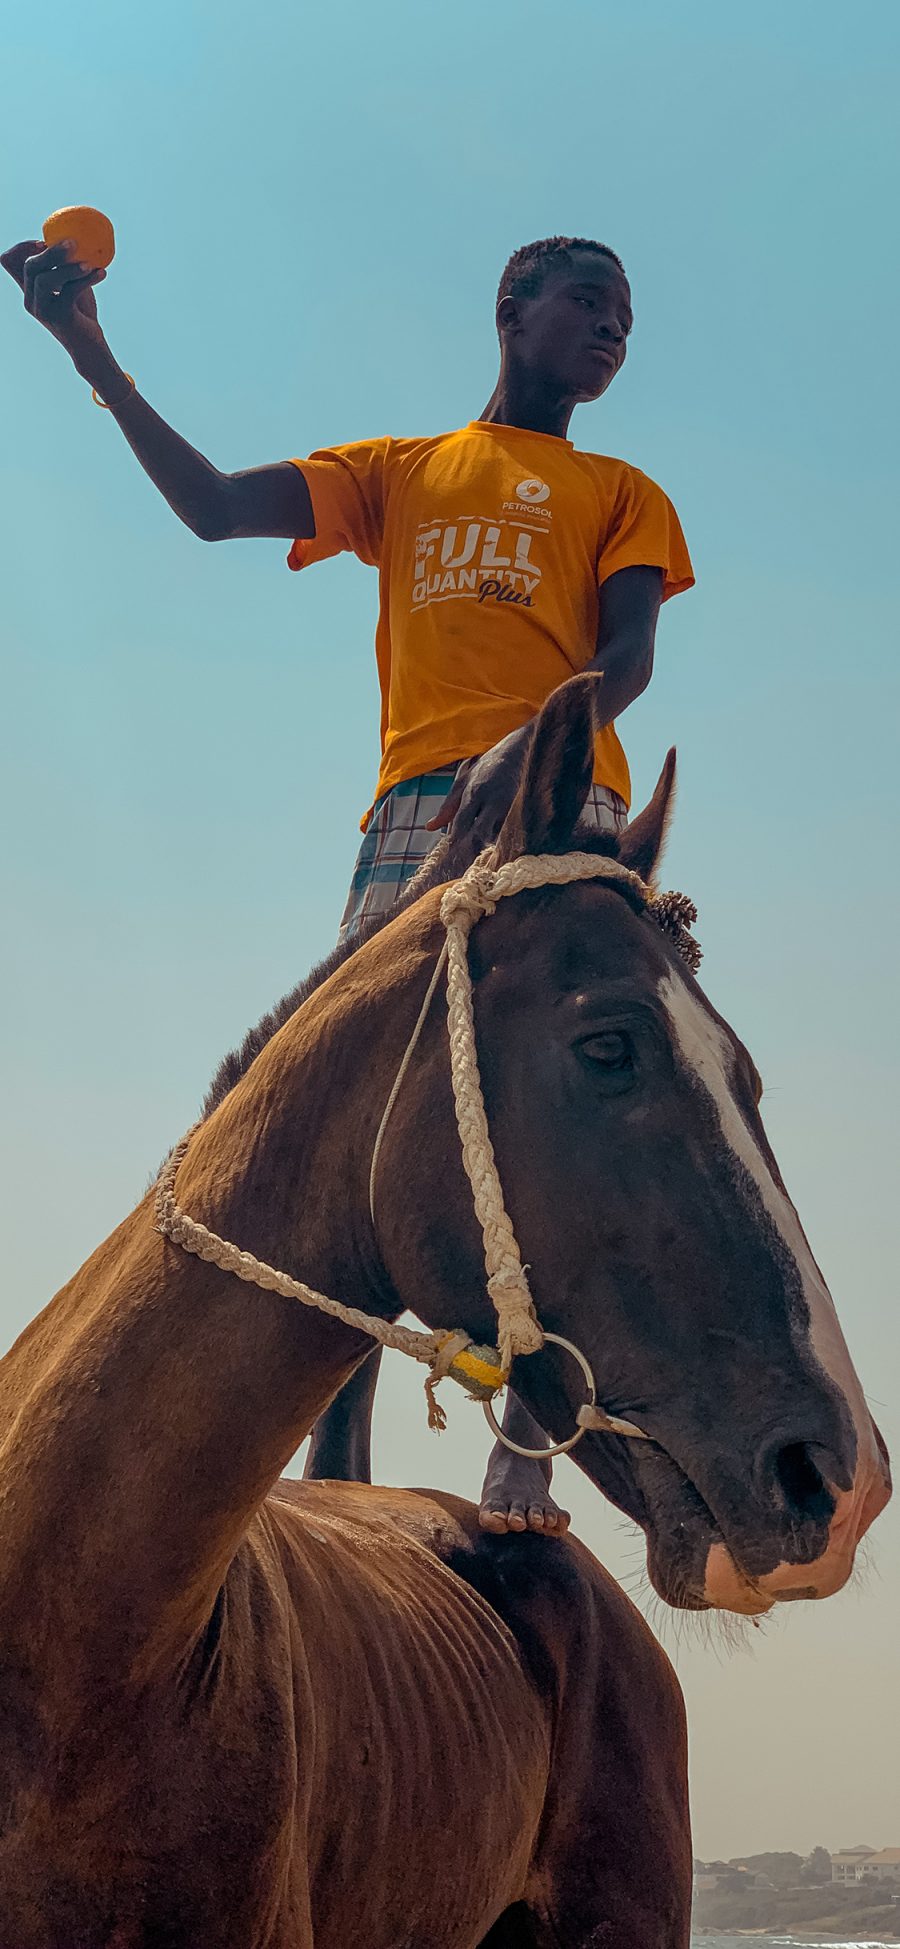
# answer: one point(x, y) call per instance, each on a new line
point(482, 1371)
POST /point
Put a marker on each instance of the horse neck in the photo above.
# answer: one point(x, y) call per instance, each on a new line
point(147, 1411)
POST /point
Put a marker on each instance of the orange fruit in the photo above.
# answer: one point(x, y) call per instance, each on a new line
point(93, 238)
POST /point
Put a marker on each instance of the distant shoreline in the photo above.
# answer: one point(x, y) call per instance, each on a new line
point(779, 1933)
point(800, 1901)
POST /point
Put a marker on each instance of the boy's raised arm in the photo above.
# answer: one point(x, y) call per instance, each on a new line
point(271, 501)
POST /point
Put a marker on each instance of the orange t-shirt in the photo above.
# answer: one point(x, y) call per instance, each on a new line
point(492, 545)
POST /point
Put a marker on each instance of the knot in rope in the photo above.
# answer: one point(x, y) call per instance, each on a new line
point(518, 1328)
point(474, 894)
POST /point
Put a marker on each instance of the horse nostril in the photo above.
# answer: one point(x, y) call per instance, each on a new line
point(800, 1486)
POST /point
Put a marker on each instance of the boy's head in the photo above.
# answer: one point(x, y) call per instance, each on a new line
point(564, 314)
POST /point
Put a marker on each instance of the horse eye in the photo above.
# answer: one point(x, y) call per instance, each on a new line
point(609, 1051)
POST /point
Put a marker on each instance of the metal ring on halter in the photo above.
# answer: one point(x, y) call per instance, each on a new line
point(559, 1447)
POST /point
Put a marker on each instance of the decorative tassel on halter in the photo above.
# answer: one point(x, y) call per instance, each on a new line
point(437, 1420)
point(479, 1370)
point(676, 914)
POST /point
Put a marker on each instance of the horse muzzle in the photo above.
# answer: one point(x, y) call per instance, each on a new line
point(727, 1587)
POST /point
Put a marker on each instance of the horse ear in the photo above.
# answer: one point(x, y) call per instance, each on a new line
point(642, 842)
point(556, 778)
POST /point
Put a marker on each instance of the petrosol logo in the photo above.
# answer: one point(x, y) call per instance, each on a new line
point(533, 490)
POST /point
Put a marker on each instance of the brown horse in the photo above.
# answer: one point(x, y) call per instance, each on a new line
point(239, 1714)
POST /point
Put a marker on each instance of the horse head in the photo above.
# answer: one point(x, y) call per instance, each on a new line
point(646, 1200)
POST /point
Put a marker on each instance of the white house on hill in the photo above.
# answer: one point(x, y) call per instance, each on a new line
point(855, 1864)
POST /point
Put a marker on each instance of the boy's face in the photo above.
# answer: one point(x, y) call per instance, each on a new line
point(572, 335)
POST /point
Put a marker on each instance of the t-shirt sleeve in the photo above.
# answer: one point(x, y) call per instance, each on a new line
point(346, 487)
point(644, 532)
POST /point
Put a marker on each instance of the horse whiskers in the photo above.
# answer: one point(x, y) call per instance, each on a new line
point(865, 1569)
point(682, 1628)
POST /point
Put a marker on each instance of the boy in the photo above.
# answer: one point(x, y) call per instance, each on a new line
point(508, 561)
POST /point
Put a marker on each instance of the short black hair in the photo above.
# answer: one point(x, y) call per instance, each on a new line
point(528, 266)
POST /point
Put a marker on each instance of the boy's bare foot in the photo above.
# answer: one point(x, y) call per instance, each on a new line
point(516, 1496)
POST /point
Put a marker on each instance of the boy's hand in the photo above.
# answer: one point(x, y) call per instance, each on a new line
point(58, 294)
point(482, 793)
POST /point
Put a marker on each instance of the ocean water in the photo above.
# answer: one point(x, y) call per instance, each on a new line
point(785, 1941)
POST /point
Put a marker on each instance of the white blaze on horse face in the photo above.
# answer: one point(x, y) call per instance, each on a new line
point(705, 1052)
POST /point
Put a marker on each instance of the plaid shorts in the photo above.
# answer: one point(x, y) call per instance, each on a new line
point(397, 842)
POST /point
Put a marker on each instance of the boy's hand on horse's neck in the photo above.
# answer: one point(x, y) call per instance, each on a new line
point(484, 787)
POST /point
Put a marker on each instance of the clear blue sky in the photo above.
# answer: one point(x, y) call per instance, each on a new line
point(312, 208)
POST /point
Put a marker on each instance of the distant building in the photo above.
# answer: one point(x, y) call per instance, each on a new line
point(713, 1874)
point(883, 1866)
point(854, 1864)
point(844, 1865)
point(726, 1874)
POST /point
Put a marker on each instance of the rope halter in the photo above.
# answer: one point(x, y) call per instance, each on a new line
point(482, 1371)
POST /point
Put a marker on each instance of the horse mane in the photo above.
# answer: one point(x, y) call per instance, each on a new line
point(440, 867)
